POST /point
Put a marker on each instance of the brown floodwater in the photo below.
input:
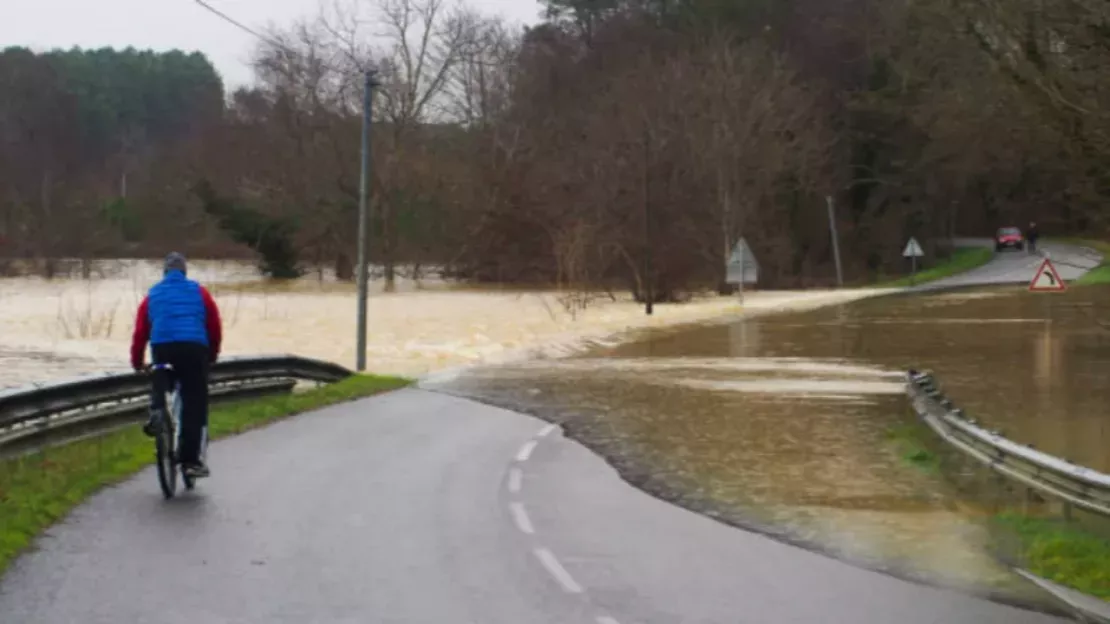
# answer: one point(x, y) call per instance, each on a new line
point(784, 423)
point(1034, 366)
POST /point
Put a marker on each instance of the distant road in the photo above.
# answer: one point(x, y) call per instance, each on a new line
point(1018, 267)
point(420, 508)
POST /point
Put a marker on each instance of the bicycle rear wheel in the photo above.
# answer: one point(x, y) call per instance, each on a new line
point(175, 409)
point(164, 452)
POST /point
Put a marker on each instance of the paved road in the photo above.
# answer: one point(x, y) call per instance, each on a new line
point(417, 507)
point(1013, 267)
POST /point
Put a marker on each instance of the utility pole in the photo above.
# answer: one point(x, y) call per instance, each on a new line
point(363, 219)
point(370, 81)
point(835, 241)
point(740, 285)
point(649, 265)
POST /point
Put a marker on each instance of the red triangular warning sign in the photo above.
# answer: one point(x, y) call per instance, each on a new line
point(1046, 279)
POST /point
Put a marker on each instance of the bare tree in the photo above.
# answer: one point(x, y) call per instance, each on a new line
point(480, 90)
point(424, 41)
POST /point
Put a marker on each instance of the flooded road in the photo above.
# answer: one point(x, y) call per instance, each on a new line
point(1035, 366)
point(784, 424)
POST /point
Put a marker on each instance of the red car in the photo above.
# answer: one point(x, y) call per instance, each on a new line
point(1009, 237)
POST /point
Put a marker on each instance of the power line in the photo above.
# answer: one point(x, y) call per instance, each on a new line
point(369, 82)
point(266, 39)
point(241, 26)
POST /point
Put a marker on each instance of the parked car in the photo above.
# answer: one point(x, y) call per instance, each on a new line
point(1007, 238)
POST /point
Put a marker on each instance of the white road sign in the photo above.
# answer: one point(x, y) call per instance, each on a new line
point(913, 249)
point(742, 267)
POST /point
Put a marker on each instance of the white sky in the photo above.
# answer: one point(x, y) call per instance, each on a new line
point(168, 24)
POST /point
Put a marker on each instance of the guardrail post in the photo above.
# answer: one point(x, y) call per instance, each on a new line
point(999, 488)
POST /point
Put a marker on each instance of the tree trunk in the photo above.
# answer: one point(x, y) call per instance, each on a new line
point(344, 268)
point(723, 287)
point(389, 237)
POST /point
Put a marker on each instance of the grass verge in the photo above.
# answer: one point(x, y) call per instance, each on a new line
point(1060, 552)
point(37, 490)
point(960, 261)
point(1099, 274)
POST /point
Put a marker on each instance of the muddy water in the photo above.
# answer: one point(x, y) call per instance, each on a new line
point(784, 423)
point(1034, 366)
point(69, 327)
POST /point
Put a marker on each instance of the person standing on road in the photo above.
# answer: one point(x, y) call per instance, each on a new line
point(182, 323)
point(1031, 235)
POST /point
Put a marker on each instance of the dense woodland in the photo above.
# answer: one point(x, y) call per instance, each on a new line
point(622, 143)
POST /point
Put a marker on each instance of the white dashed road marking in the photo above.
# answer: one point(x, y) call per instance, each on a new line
point(556, 569)
point(526, 451)
point(516, 477)
point(524, 524)
point(520, 516)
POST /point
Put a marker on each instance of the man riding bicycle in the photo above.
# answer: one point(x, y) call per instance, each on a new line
point(182, 323)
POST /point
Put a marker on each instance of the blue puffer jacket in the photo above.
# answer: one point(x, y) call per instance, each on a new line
point(176, 308)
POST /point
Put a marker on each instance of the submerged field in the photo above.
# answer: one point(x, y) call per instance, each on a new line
point(66, 327)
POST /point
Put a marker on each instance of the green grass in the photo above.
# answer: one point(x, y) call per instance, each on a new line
point(908, 441)
point(39, 489)
point(960, 261)
point(1061, 552)
point(1097, 275)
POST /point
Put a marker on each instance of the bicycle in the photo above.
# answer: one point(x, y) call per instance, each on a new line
point(167, 430)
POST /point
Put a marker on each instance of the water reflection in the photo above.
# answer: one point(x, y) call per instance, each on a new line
point(783, 422)
point(744, 338)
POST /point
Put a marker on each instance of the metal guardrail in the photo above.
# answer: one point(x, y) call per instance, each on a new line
point(1072, 484)
point(100, 401)
point(1084, 608)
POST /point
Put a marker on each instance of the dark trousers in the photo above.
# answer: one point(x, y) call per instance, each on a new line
point(190, 368)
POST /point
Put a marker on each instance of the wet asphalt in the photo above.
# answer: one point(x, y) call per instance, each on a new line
point(1019, 267)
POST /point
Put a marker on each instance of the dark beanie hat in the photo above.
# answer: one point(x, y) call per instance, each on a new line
point(174, 262)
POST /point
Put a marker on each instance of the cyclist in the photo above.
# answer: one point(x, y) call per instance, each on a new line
point(182, 323)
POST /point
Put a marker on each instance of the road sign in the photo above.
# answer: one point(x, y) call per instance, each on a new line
point(913, 249)
point(1046, 279)
point(742, 267)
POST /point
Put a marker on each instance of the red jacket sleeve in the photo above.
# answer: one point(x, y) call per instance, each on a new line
point(141, 335)
point(212, 321)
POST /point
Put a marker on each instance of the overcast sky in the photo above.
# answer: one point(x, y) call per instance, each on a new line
point(167, 24)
